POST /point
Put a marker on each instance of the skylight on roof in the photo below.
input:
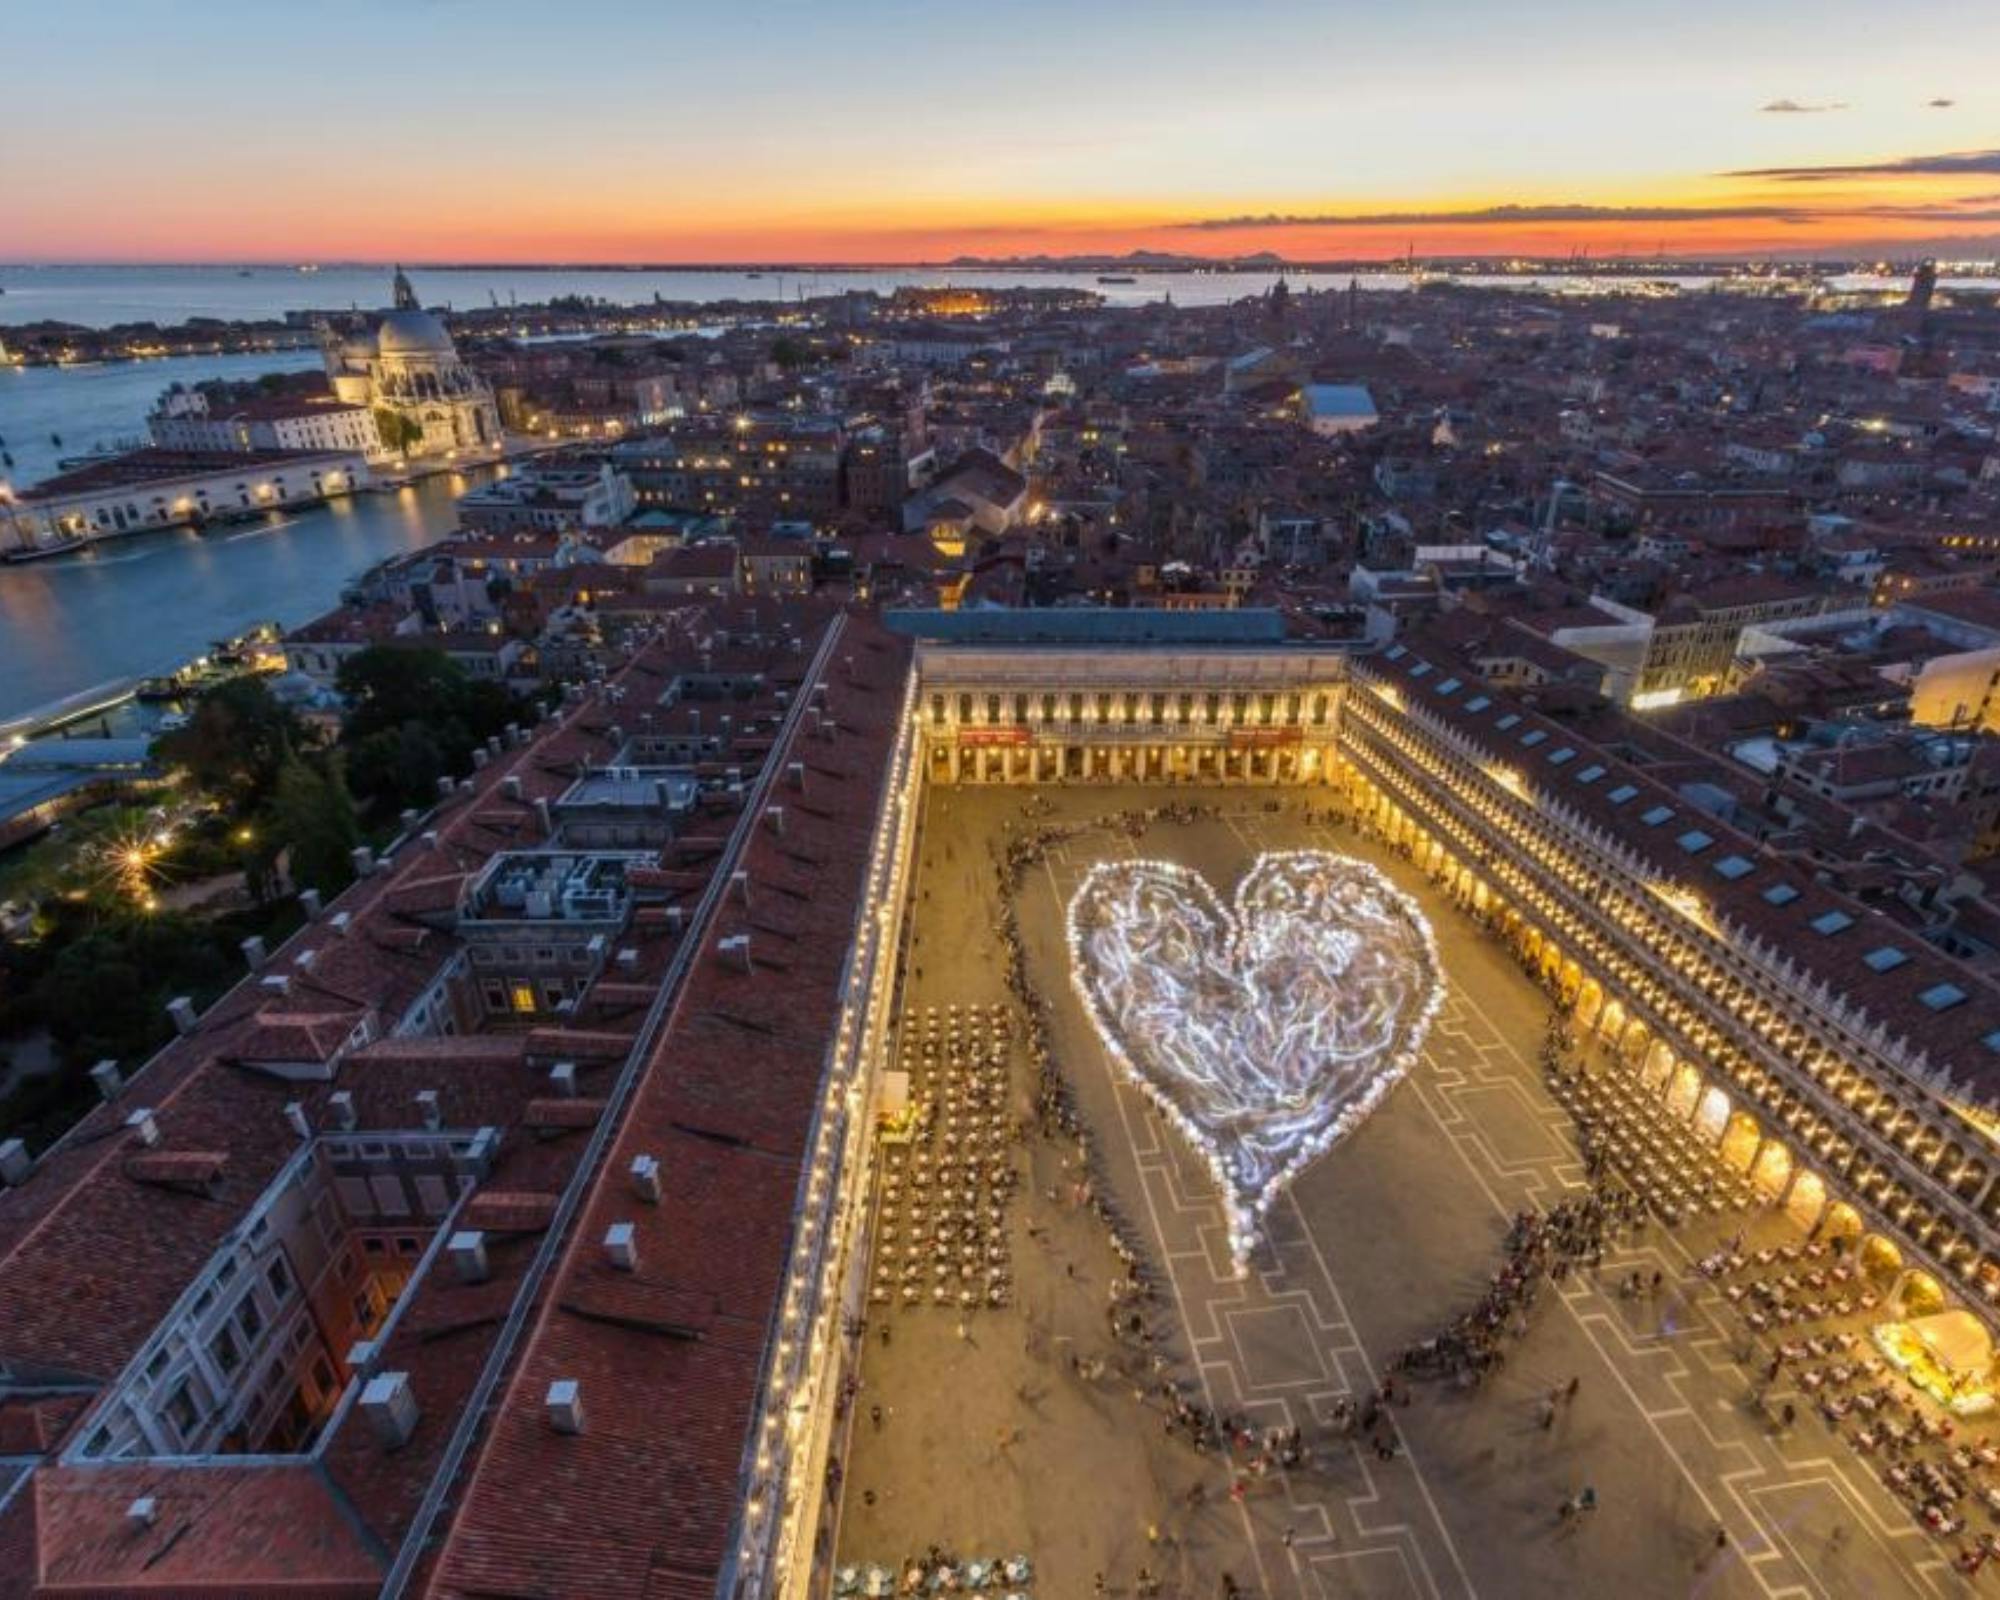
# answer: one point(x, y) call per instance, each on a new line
point(1508, 721)
point(1396, 652)
point(1622, 793)
point(1590, 774)
point(1781, 894)
point(1734, 867)
point(1942, 996)
point(1694, 841)
point(1565, 754)
point(1885, 958)
point(1656, 815)
point(1478, 702)
point(1449, 686)
point(1421, 670)
point(1831, 922)
point(1992, 1041)
point(1533, 737)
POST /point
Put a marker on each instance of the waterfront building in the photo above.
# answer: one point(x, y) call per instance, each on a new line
point(405, 367)
point(145, 490)
point(302, 417)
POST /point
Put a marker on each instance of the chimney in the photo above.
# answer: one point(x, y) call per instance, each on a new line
point(479, 758)
point(390, 1405)
point(407, 818)
point(646, 1179)
point(493, 744)
point(363, 859)
point(428, 1108)
point(660, 793)
point(621, 1246)
point(465, 784)
point(828, 728)
point(543, 817)
point(14, 1163)
point(109, 1080)
point(468, 1255)
point(796, 772)
point(694, 719)
point(253, 951)
point(510, 786)
point(295, 1114)
point(309, 903)
point(275, 983)
point(676, 918)
point(430, 839)
point(142, 1513)
point(627, 959)
point(362, 1354)
point(736, 948)
point(565, 1403)
point(143, 1127)
point(340, 1107)
point(739, 882)
point(181, 1009)
point(562, 1079)
point(775, 816)
point(445, 788)
point(340, 922)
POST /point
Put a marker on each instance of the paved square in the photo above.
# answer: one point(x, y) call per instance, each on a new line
point(999, 1433)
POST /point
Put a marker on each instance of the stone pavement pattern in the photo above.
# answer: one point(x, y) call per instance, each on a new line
point(991, 1443)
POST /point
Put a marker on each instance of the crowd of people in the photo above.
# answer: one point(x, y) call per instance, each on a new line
point(942, 1233)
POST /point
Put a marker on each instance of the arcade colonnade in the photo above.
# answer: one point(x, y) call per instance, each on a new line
point(1841, 1154)
point(1818, 1117)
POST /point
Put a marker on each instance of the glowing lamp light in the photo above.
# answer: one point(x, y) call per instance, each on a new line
point(1265, 1031)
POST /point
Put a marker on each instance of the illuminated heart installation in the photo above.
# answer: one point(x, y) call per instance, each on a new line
point(1268, 1033)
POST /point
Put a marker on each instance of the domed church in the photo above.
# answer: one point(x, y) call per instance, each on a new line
point(407, 365)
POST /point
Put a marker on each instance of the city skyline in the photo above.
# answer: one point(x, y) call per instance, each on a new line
point(611, 133)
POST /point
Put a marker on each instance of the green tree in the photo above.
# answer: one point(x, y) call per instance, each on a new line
point(398, 432)
point(313, 815)
point(397, 767)
point(235, 742)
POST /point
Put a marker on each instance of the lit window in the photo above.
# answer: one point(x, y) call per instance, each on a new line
point(524, 998)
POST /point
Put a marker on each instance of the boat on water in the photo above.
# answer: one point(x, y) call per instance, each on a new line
point(1116, 277)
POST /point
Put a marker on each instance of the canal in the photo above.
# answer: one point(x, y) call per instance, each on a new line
point(129, 607)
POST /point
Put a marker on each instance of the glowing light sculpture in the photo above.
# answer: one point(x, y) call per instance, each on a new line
point(1268, 1032)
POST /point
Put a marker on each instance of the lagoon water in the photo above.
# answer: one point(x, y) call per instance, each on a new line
point(129, 607)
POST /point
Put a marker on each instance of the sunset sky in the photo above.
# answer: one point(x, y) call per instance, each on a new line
point(914, 130)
